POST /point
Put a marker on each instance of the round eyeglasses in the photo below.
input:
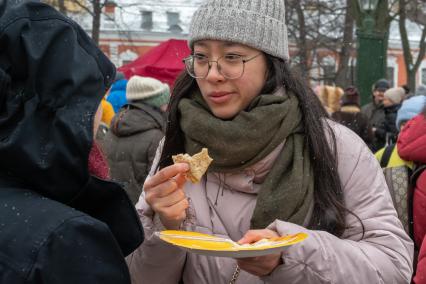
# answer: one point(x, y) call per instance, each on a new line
point(230, 66)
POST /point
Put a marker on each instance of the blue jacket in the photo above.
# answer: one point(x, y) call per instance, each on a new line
point(117, 95)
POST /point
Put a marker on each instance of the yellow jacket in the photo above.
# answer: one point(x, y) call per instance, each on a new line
point(395, 160)
point(107, 112)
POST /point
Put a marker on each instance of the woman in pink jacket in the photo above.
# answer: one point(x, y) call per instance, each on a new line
point(412, 147)
point(280, 167)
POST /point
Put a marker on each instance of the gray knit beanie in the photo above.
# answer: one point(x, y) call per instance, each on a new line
point(256, 23)
point(396, 95)
point(149, 90)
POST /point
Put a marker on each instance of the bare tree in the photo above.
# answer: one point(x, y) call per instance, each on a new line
point(91, 7)
point(319, 28)
point(94, 8)
point(412, 10)
point(343, 76)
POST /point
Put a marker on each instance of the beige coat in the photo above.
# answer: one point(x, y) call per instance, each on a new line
point(383, 255)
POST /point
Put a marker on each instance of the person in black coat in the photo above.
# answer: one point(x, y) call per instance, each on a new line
point(59, 223)
point(350, 115)
point(387, 131)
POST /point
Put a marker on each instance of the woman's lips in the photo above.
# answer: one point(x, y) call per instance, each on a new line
point(220, 97)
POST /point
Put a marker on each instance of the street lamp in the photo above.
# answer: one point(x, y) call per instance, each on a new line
point(371, 50)
point(368, 5)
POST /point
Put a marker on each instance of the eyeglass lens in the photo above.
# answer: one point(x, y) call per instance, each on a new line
point(229, 67)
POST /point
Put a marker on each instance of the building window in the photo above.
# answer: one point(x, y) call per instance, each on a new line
point(146, 20)
point(328, 68)
point(173, 22)
point(423, 76)
point(390, 75)
point(329, 74)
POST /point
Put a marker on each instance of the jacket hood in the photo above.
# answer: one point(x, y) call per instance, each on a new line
point(119, 85)
point(412, 140)
point(52, 80)
point(135, 118)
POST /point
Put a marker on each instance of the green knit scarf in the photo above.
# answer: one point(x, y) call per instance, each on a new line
point(287, 192)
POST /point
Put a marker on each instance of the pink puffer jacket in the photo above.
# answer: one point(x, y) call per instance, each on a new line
point(222, 204)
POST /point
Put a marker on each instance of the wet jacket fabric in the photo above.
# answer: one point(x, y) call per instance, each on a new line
point(131, 143)
point(375, 115)
point(222, 204)
point(58, 223)
point(351, 117)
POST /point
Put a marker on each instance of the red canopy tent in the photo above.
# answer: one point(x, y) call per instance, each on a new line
point(163, 62)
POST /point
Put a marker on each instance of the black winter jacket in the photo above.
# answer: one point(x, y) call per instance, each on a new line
point(351, 117)
point(388, 131)
point(58, 224)
point(375, 115)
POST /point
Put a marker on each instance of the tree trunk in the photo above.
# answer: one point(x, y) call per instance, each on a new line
point(343, 70)
point(302, 42)
point(61, 6)
point(410, 67)
point(96, 22)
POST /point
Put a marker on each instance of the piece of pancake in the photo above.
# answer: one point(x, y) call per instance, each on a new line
point(198, 164)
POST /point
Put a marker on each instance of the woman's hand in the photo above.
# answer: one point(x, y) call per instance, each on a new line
point(164, 193)
point(261, 265)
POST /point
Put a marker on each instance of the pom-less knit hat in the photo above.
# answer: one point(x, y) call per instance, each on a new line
point(350, 96)
point(255, 23)
point(395, 94)
point(409, 109)
point(149, 90)
point(381, 85)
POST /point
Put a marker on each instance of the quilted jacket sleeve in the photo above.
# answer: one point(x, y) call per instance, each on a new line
point(383, 253)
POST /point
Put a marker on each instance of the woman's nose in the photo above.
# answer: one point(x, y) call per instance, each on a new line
point(214, 73)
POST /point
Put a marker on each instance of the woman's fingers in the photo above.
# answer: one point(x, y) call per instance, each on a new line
point(166, 174)
point(253, 236)
point(164, 193)
point(171, 199)
point(172, 217)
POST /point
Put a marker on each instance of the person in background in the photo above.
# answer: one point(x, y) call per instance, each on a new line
point(407, 91)
point(107, 112)
point(280, 166)
point(61, 219)
point(117, 94)
point(412, 147)
point(135, 132)
point(330, 97)
point(409, 109)
point(392, 100)
point(107, 115)
point(420, 91)
point(375, 113)
point(350, 115)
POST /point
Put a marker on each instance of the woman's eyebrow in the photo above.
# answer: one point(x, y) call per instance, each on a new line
point(230, 44)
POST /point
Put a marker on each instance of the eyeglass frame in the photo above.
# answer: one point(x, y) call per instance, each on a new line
point(209, 62)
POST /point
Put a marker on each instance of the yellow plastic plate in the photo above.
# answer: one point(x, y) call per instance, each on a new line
point(216, 246)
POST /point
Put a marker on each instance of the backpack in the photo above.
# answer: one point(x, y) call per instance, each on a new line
point(401, 184)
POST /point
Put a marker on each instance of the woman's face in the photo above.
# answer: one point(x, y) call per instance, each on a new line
point(227, 97)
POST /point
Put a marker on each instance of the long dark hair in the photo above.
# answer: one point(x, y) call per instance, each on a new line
point(329, 209)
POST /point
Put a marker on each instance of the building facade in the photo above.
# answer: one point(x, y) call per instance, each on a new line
point(125, 38)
